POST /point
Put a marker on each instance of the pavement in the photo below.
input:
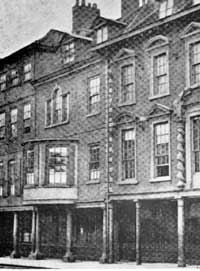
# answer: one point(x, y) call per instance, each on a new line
point(24, 263)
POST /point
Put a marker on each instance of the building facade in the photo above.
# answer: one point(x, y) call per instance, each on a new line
point(99, 156)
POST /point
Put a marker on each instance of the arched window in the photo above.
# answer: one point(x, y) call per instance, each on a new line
point(57, 108)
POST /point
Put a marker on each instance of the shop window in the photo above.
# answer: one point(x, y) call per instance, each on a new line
point(94, 164)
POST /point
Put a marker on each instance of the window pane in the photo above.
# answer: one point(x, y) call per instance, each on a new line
point(128, 154)
point(94, 164)
point(94, 92)
point(127, 94)
point(161, 151)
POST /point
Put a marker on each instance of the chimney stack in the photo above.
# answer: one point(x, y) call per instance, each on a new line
point(83, 17)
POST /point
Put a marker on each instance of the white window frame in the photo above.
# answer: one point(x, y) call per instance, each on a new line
point(3, 124)
point(102, 34)
point(3, 81)
point(152, 173)
point(95, 145)
point(90, 79)
point(14, 77)
point(13, 121)
point(142, 2)
point(166, 8)
point(192, 177)
point(120, 180)
point(190, 40)
point(68, 52)
point(27, 115)
point(196, 2)
point(30, 178)
point(27, 72)
point(1, 186)
point(51, 100)
point(153, 54)
point(133, 101)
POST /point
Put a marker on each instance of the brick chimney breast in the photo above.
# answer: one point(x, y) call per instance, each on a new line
point(83, 16)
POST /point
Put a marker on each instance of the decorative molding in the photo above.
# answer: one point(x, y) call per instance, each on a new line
point(158, 110)
point(192, 29)
point(124, 53)
point(156, 42)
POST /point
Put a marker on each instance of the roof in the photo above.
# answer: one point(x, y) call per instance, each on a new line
point(99, 21)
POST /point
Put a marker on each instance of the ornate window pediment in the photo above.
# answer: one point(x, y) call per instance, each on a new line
point(124, 117)
point(124, 53)
point(157, 42)
point(159, 110)
point(192, 29)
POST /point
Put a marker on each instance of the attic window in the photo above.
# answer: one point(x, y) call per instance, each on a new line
point(69, 52)
point(142, 2)
point(102, 34)
point(166, 8)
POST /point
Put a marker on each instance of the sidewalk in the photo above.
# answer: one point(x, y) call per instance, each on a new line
point(59, 264)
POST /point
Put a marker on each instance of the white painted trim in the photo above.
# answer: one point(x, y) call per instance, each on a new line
point(195, 111)
point(127, 181)
point(188, 43)
point(152, 177)
point(154, 53)
point(165, 41)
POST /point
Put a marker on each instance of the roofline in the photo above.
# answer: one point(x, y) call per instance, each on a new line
point(146, 28)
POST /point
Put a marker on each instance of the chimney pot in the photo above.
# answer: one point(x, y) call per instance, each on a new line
point(77, 2)
point(94, 5)
point(83, 2)
point(89, 5)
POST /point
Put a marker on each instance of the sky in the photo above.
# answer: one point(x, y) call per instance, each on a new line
point(23, 21)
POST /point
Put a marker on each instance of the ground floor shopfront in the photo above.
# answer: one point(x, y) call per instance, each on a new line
point(142, 231)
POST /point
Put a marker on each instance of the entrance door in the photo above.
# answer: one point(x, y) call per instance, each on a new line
point(6, 233)
point(126, 231)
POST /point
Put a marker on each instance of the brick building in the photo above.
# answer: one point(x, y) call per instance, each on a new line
point(100, 138)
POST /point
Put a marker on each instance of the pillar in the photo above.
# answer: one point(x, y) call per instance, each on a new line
point(15, 253)
point(138, 233)
point(110, 233)
point(181, 231)
point(69, 256)
point(33, 231)
point(180, 153)
point(37, 255)
point(103, 258)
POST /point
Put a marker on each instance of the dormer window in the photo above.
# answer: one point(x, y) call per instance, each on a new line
point(196, 2)
point(166, 8)
point(69, 52)
point(102, 34)
point(142, 2)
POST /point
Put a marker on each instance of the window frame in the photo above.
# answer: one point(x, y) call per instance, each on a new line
point(120, 177)
point(3, 82)
point(15, 78)
point(2, 180)
point(153, 177)
point(27, 74)
point(51, 101)
point(14, 122)
point(31, 149)
point(102, 34)
point(196, 2)
point(90, 96)
point(125, 64)
point(68, 54)
point(3, 127)
point(168, 9)
point(153, 54)
point(94, 145)
point(25, 118)
point(12, 183)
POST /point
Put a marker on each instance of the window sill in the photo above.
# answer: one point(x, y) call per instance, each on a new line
point(160, 180)
point(57, 186)
point(126, 104)
point(57, 124)
point(128, 181)
point(192, 87)
point(93, 182)
point(93, 114)
point(30, 186)
point(158, 96)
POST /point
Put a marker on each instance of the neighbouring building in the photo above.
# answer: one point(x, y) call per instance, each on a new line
point(100, 138)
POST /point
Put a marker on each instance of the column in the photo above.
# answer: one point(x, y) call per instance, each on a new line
point(37, 255)
point(180, 153)
point(103, 258)
point(15, 253)
point(33, 231)
point(110, 234)
point(138, 233)
point(181, 229)
point(68, 256)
